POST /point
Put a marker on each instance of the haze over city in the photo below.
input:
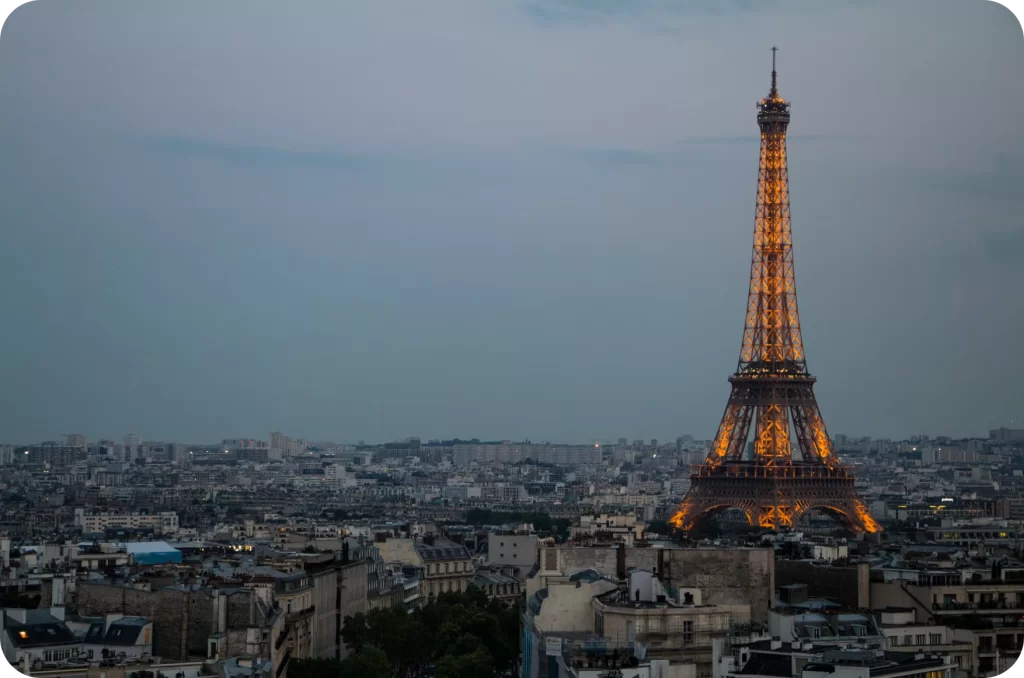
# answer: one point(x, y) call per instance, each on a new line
point(525, 220)
point(462, 339)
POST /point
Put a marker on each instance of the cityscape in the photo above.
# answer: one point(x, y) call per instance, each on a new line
point(782, 546)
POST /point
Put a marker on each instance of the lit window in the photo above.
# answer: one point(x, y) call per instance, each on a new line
point(22, 634)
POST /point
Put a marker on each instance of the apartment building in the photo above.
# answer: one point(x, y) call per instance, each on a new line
point(624, 529)
point(985, 614)
point(165, 522)
point(447, 567)
point(508, 547)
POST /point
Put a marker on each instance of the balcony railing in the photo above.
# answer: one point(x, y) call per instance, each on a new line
point(296, 615)
point(1004, 650)
point(979, 605)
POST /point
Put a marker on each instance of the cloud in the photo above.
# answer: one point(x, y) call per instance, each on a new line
point(472, 216)
point(1003, 247)
point(1000, 178)
point(685, 149)
point(256, 156)
point(602, 11)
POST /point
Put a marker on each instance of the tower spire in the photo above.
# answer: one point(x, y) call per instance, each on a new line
point(775, 89)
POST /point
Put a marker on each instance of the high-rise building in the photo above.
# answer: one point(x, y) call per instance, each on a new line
point(282, 446)
point(75, 440)
point(1006, 435)
point(177, 453)
point(246, 449)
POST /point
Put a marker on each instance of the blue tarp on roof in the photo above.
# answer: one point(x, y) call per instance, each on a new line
point(147, 552)
point(153, 552)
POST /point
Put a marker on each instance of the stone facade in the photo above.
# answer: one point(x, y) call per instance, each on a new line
point(849, 586)
point(184, 621)
point(325, 621)
point(352, 593)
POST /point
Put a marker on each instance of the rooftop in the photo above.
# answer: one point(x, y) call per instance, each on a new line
point(442, 549)
point(40, 629)
point(124, 631)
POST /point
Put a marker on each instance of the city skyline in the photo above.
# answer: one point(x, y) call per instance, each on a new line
point(645, 441)
point(521, 253)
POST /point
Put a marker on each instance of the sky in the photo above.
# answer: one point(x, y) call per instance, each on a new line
point(503, 220)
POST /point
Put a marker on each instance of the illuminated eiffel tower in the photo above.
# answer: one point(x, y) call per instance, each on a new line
point(772, 388)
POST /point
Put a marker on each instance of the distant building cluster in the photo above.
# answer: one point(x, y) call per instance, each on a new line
point(246, 555)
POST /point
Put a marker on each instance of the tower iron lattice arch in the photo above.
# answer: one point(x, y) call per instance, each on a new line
point(772, 391)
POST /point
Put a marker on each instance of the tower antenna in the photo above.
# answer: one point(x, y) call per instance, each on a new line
point(774, 50)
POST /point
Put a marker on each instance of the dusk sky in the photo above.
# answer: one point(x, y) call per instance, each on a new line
point(372, 220)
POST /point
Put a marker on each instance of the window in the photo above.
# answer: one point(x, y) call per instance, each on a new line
point(894, 640)
point(688, 631)
point(447, 568)
point(908, 639)
point(920, 639)
point(935, 639)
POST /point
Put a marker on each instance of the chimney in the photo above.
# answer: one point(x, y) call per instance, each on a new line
point(620, 561)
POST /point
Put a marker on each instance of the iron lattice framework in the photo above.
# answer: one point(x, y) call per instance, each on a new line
point(772, 388)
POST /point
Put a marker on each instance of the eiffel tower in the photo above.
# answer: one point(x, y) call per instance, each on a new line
point(772, 389)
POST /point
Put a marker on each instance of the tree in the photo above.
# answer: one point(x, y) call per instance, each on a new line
point(370, 663)
point(478, 664)
point(458, 634)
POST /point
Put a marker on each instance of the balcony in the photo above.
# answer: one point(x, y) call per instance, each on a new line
point(301, 614)
point(988, 605)
point(999, 650)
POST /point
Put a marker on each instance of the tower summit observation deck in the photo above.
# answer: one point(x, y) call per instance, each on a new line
point(793, 467)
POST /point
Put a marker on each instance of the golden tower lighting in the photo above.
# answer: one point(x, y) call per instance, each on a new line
point(772, 389)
